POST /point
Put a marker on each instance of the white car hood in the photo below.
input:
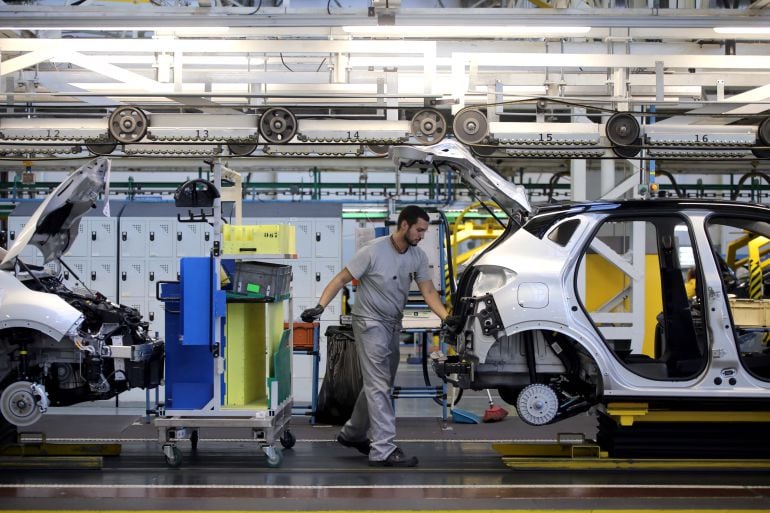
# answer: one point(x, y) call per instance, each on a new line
point(54, 225)
point(509, 197)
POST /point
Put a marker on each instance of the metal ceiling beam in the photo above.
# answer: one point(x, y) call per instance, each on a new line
point(91, 18)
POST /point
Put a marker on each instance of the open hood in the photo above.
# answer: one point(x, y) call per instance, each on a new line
point(509, 197)
point(54, 225)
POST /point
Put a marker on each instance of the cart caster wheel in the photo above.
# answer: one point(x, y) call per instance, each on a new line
point(288, 439)
point(173, 455)
point(274, 456)
point(194, 440)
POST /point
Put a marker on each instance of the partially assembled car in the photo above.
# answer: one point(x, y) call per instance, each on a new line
point(58, 346)
point(581, 304)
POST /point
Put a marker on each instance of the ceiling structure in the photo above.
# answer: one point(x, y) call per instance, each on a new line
point(333, 85)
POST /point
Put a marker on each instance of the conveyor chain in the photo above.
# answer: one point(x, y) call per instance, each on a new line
point(301, 131)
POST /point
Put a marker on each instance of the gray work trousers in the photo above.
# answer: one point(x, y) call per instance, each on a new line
point(374, 415)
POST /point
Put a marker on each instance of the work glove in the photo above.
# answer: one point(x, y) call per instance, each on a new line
point(453, 323)
point(311, 314)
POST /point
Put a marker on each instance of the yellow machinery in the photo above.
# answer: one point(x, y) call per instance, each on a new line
point(462, 231)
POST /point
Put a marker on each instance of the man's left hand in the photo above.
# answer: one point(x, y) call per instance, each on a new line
point(454, 323)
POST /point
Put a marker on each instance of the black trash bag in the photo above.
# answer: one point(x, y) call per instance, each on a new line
point(343, 381)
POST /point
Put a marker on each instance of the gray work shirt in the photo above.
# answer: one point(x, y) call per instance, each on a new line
point(384, 277)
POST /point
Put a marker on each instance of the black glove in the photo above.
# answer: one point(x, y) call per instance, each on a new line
point(312, 314)
point(454, 323)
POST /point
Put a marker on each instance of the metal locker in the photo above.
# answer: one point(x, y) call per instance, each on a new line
point(136, 302)
point(303, 279)
point(159, 270)
point(333, 310)
point(15, 226)
point(327, 237)
point(156, 316)
point(101, 236)
point(103, 277)
point(132, 278)
point(160, 238)
point(54, 268)
point(79, 247)
point(77, 267)
point(133, 238)
point(324, 269)
point(300, 304)
point(188, 239)
point(304, 236)
point(208, 239)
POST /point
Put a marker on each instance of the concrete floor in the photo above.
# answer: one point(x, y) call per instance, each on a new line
point(459, 469)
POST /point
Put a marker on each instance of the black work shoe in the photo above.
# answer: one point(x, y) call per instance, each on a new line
point(396, 459)
point(363, 447)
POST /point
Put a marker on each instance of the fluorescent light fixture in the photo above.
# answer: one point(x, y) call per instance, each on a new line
point(743, 30)
point(462, 31)
point(149, 28)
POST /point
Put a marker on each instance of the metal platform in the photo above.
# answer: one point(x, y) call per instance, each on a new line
point(266, 429)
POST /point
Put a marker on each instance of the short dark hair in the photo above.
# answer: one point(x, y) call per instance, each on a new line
point(411, 214)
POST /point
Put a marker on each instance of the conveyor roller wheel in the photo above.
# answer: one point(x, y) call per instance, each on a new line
point(127, 124)
point(378, 149)
point(241, 150)
point(622, 129)
point(763, 139)
point(277, 125)
point(104, 148)
point(470, 126)
point(428, 126)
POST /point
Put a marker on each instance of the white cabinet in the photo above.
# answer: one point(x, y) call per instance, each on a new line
point(188, 239)
point(133, 239)
point(160, 238)
point(103, 277)
point(101, 237)
point(133, 278)
point(324, 269)
point(79, 247)
point(327, 238)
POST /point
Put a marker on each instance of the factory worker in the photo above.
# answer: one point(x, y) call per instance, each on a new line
point(384, 268)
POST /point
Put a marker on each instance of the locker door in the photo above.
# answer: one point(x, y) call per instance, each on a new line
point(54, 268)
point(156, 316)
point(303, 279)
point(80, 246)
point(132, 278)
point(103, 275)
point(304, 236)
point(160, 237)
point(159, 270)
point(323, 271)
point(327, 238)
point(15, 225)
point(102, 237)
point(208, 239)
point(80, 267)
point(133, 238)
point(187, 239)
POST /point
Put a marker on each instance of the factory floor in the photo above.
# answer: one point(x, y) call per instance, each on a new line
point(459, 470)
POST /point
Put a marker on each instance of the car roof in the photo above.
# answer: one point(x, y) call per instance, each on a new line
point(546, 214)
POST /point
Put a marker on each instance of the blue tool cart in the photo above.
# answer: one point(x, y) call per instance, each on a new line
point(228, 354)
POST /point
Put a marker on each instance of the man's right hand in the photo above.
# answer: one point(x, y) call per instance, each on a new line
point(311, 314)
